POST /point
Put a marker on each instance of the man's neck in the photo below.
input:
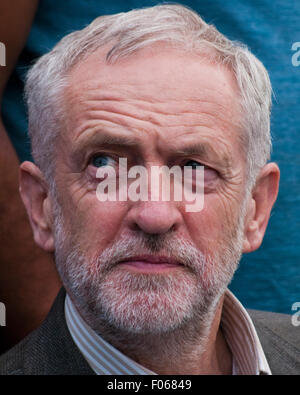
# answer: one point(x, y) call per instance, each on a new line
point(188, 352)
point(216, 359)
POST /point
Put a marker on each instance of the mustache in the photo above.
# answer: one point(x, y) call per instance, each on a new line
point(167, 245)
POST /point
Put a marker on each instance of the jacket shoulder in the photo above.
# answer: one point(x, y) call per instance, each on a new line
point(12, 361)
point(280, 340)
point(49, 350)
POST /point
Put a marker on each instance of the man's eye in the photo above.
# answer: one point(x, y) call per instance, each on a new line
point(193, 163)
point(209, 173)
point(102, 160)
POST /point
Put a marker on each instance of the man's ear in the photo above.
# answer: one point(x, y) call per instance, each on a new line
point(34, 193)
point(263, 197)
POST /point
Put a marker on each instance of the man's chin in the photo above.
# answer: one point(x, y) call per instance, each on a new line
point(146, 304)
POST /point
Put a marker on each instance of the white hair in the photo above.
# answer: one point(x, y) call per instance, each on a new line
point(175, 25)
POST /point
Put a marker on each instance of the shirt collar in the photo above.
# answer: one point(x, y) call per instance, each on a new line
point(237, 326)
point(242, 339)
point(102, 357)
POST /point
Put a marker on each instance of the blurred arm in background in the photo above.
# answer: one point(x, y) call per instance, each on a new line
point(28, 278)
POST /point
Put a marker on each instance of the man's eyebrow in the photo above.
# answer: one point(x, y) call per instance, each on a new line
point(102, 138)
point(204, 150)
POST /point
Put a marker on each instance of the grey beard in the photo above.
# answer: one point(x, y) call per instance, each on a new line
point(139, 309)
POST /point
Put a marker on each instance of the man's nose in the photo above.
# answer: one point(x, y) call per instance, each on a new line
point(155, 217)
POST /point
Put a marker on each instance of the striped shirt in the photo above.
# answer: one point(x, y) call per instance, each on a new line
point(238, 329)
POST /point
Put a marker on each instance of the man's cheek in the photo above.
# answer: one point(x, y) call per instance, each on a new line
point(213, 223)
point(98, 224)
point(226, 206)
point(205, 228)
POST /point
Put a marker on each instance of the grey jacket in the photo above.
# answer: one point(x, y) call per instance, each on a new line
point(50, 350)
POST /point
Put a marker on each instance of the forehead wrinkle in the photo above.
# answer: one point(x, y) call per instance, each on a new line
point(146, 121)
point(165, 102)
point(175, 109)
point(147, 93)
point(130, 116)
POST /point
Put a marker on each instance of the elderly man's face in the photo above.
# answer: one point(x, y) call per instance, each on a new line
point(154, 108)
point(158, 107)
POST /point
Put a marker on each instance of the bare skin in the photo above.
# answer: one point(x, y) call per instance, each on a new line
point(163, 101)
point(28, 278)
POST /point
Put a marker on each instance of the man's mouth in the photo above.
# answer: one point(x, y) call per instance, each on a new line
point(150, 263)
